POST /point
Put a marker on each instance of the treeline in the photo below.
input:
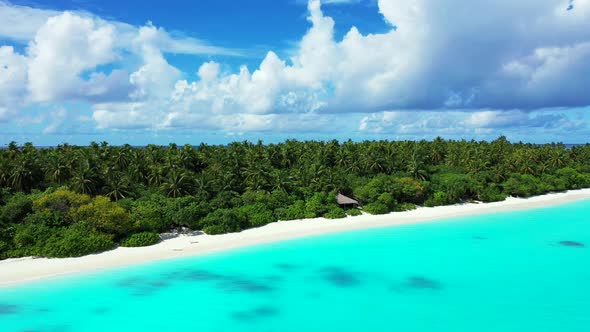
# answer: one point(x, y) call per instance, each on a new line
point(71, 201)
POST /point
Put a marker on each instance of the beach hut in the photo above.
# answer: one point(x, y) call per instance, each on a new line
point(346, 202)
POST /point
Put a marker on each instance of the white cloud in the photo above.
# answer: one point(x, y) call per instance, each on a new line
point(480, 124)
point(456, 55)
point(13, 76)
point(20, 22)
point(57, 56)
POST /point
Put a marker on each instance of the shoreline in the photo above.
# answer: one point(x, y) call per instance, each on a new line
point(14, 272)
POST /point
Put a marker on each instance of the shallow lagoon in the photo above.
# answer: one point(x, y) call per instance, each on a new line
point(519, 271)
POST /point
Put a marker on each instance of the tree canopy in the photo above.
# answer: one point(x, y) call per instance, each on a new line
point(73, 200)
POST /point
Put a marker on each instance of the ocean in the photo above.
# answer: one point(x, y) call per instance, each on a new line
point(518, 271)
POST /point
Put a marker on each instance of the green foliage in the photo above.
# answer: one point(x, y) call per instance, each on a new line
point(294, 211)
point(354, 212)
point(77, 240)
point(149, 216)
point(106, 216)
point(457, 187)
point(225, 221)
point(6, 243)
point(227, 188)
point(376, 208)
point(143, 239)
point(215, 230)
point(491, 193)
point(405, 207)
point(61, 201)
point(407, 190)
point(522, 185)
point(49, 218)
point(438, 199)
point(335, 213)
point(387, 200)
point(258, 214)
point(16, 209)
point(320, 204)
point(190, 216)
point(573, 179)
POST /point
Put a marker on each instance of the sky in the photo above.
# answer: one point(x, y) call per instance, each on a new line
point(216, 71)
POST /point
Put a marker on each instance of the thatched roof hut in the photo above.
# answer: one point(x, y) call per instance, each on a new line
point(346, 202)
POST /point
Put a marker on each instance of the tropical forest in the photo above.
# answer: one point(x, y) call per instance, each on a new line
point(69, 200)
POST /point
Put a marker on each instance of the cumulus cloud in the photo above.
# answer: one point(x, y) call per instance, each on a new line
point(21, 23)
point(470, 124)
point(73, 57)
point(57, 56)
point(13, 76)
point(458, 55)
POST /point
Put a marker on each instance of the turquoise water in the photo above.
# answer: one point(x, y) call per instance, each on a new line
point(502, 272)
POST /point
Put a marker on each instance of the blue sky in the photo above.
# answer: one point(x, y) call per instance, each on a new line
point(215, 71)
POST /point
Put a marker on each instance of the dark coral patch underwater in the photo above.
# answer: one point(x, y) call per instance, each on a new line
point(244, 285)
point(339, 277)
point(9, 309)
point(419, 282)
point(143, 287)
point(572, 244)
point(255, 314)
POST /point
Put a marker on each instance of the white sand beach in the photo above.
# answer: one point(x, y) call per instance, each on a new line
point(18, 271)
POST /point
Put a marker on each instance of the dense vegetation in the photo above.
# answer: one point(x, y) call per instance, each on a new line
point(71, 201)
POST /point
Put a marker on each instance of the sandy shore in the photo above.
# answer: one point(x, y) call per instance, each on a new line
point(18, 271)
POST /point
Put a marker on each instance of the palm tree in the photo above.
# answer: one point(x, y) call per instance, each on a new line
point(84, 180)
point(176, 185)
point(117, 187)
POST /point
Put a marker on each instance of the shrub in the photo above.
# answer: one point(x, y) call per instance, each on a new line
point(148, 216)
point(141, 240)
point(316, 206)
point(258, 214)
point(440, 198)
point(292, 212)
point(6, 235)
point(191, 215)
point(354, 212)
point(336, 213)
point(491, 194)
point(77, 240)
point(16, 209)
point(61, 201)
point(215, 230)
point(376, 208)
point(51, 219)
point(387, 200)
point(228, 220)
point(522, 185)
point(106, 216)
point(554, 183)
point(407, 190)
point(405, 207)
point(457, 187)
point(30, 238)
point(573, 178)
